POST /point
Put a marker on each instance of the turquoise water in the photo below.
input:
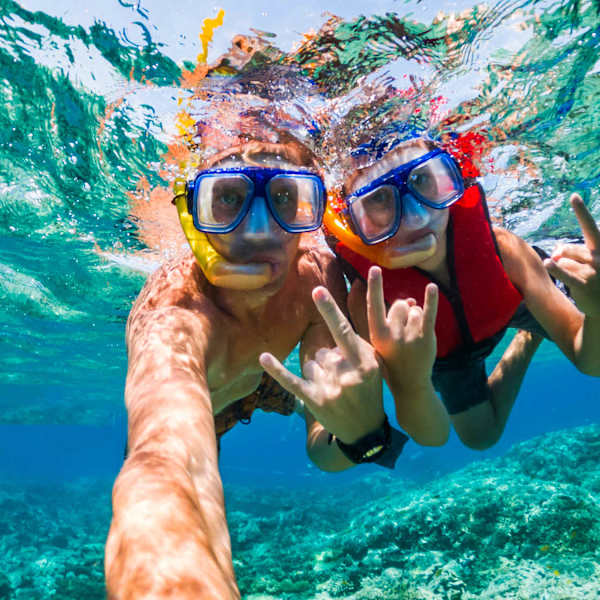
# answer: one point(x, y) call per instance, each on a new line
point(99, 105)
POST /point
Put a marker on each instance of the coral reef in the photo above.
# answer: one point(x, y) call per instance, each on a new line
point(524, 526)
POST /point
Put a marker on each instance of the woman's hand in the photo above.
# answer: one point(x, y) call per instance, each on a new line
point(405, 337)
point(578, 265)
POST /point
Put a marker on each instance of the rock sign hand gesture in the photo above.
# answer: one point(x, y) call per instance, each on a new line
point(342, 386)
point(578, 265)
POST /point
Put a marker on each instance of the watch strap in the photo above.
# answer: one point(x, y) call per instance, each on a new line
point(397, 442)
point(370, 447)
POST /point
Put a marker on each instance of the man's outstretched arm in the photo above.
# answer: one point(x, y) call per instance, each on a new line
point(168, 536)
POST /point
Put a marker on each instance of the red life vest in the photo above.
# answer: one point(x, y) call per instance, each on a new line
point(481, 299)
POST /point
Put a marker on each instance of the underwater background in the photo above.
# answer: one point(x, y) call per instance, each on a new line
point(101, 106)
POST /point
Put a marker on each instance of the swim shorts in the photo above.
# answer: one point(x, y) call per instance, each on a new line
point(461, 379)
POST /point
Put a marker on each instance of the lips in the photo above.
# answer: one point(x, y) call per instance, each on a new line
point(413, 251)
point(273, 261)
point(270, 259)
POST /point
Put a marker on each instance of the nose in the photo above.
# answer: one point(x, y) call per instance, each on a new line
point(258, 223)
point(414, 214)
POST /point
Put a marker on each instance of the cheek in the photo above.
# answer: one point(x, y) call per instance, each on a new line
point(439, 220)
point(290, 242)
point(221, 243)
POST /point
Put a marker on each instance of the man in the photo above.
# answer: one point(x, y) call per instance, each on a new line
point(195, 336)
point(413, 213)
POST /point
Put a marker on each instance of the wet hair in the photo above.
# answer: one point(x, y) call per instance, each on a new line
point(378, 167)
point(290, 150)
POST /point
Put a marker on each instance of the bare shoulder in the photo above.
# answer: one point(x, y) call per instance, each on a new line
point(173, 291)
point(523, 265)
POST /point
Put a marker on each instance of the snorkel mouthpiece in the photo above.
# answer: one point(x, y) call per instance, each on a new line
point(217, 270)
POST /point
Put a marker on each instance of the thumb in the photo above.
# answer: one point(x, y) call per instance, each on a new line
point(556, 270)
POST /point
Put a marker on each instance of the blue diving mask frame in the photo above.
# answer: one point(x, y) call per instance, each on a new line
point(219, 199)
point(369, 204)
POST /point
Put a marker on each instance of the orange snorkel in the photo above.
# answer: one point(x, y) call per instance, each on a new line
point(335, 222)
point(383, 254)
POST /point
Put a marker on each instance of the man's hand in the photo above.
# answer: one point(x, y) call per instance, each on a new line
point(342, 386)
point(405, 338)
point(578, 265)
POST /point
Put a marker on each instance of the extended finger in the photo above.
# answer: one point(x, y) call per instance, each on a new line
point(376, 305)
point(565, 270)
point(577, 252)
point(292, 383)
point(430, 307)
point(591, 233)
point(341, 330)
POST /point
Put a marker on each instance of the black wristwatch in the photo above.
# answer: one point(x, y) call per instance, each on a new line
point(368, 448)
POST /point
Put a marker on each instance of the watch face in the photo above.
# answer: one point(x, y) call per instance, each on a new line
point(369, 453)
point(369, 447)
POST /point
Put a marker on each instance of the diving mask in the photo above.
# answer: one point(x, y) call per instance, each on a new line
point(375, 210)
point(218, 200)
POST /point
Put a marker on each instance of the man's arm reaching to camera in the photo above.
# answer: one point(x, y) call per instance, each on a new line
point(169, 537)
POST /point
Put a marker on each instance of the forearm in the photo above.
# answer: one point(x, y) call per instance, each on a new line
point(169, 530)
point(587, 347)
point(420, 412)
point(168, 535)
point(325, 454)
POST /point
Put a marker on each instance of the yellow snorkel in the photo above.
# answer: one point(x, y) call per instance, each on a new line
point(217, 270)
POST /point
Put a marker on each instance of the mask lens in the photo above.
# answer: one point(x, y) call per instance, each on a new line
point(375, 214)
point(296, 200)
point(220, 199)
point(436, 181)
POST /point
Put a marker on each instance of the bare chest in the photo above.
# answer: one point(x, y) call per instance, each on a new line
point(234, 371)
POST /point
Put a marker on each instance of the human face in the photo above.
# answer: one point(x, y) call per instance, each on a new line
point(259, 237)
point(222, 197)
point(401, 203)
